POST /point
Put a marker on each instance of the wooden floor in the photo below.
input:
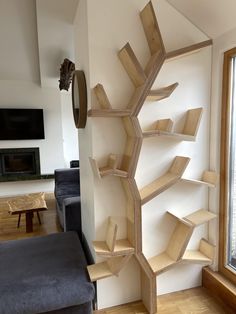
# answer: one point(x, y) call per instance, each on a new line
point(192, 301)
point(8, 223)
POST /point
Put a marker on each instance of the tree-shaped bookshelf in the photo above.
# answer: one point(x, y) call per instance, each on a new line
point(118, 252)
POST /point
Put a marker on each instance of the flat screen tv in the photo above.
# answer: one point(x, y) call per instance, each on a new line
point(21, 124)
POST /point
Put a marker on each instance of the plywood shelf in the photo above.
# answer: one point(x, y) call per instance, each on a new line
point(151, 29)
point(197, 218)
point(112, 246)
point(164, 127)
point(200, 217)
point(132, 65)
point(110, 267)
point(173, 55)
point(161, 93)
point(209, 178)
point(109, 113)
point(112, 168)
point(204, 255)
point(175, 249)
point(165, 181)
point(122, 247)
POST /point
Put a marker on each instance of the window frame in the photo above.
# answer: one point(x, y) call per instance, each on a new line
point(226, 270)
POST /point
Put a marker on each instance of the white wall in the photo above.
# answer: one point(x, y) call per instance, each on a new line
point(22, 68)
point(220, 45)
point(18, 94)
point(69, 131)
point(109, 25)
point(19, 45)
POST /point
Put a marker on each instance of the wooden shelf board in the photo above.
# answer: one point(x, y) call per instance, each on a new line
point(102, 97)
point(165, 181)
point(196, 257)
point(122, 247)
point(158, 186)
point(162, 93)
point(198, 182)
point(187, 50)
point(109, 113)
point(177, 136)
point(106, 171)
point(200, 217)
point(132, 65)
point(151, 29)
point(161, 263)
point(99, 271)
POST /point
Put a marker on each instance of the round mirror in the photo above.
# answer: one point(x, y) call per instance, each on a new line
point(79, 98)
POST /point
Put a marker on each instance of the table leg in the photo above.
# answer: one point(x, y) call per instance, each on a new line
point(18, 224)
point(39, 218)
point(29, 222)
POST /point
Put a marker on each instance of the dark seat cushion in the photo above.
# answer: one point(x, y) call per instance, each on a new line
point(43, 274)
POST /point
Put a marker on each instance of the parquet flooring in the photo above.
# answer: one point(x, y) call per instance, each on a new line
point(192, 301)
point(8, 223)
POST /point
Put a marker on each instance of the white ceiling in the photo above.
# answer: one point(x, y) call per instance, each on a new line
point(213, 17)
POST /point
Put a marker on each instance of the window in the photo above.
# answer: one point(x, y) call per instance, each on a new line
point(227, 261)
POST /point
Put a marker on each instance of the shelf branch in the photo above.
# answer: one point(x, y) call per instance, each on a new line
point(204, 255)
point(161, 93)
point(151, 29)
point(209, 178)
point(102, 97)
point(111, 246)
point(189, 49)
point(112, 168)
point(132, 65)
point(110, 267)
point(174, 174)
point(190, 129)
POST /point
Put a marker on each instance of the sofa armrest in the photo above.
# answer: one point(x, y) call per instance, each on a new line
point(72, 215)
point(66, 175)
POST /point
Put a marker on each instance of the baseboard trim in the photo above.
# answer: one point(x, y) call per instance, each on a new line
point(220, 287)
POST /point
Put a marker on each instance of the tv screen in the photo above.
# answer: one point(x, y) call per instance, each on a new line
point(21, 124)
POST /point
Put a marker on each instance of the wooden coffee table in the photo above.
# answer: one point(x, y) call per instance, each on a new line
point(27, 204)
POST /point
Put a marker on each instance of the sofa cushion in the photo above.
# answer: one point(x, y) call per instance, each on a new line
point(43, 274)
point(67, 189)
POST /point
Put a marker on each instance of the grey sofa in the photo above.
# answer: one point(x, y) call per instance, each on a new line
point(45, 275)
point(67, 194)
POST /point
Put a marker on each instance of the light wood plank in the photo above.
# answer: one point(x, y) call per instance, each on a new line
point(161, 93)
point(192, 121)
point(209, 178)
point(132, 65)
point(109, 113)
point(102, 97)
point(207, 249)
point(196, 257)
point(179, 241)
point(161, 263)
point(151, 29)
point(164, 125)
point(117, 263)
point(165, 181)
point(99, 271)
point(121, 247)
point(200, 216)
point(187, 50)
point(189, 133)
point(111, 234)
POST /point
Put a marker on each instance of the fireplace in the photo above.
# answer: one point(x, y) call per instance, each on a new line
point(19, 161)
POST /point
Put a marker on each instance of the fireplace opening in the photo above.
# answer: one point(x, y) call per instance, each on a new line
point(19, 161)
